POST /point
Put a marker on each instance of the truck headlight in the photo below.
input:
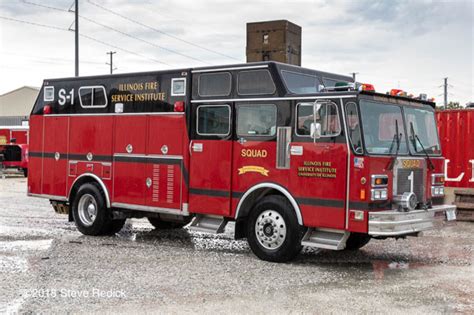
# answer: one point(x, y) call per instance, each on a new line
point(379, 194)
point(437, 185)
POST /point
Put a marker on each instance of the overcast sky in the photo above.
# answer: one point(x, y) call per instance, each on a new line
point(410, 44)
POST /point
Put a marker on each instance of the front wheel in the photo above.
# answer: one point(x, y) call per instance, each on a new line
point(357, 241)
point(273, 231)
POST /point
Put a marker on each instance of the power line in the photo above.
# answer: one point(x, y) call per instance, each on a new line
point(160, 31)
point(118, 31)
point(85, 36)
point(50, 60)
point(142, 40)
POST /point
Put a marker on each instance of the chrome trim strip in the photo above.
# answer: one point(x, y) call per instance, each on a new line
point(272, 98)
point(148, 209)
point(274, 186)
point(16, 128)
point(348, 176)
point(51, 197)
point(395, 223)
point(229, 69)
point(145, 156)
point(115, 114)
point(101, 183)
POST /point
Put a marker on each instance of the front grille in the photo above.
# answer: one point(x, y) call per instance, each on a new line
point(402, 183)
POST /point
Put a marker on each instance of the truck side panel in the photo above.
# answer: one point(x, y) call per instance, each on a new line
point(55, 153)
point(35, 155)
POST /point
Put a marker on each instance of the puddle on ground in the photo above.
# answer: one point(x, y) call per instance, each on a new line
point(381, 266)
point(14, 246)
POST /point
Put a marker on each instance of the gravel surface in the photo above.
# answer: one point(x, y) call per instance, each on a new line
point(47, 266)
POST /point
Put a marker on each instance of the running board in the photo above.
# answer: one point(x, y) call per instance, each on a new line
point(208, 224)
point(325, 238)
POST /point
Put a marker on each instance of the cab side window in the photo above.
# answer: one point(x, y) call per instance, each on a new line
point(213, 120)
point(256, 120)
point(327, 116)
point(353, 127)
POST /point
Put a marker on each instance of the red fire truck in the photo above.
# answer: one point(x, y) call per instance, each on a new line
point(14, 148)
point(294, 156)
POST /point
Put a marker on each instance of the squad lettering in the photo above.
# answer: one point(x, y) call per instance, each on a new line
point(253, 153)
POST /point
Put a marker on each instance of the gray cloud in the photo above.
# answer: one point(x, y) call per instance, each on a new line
point(411, 43)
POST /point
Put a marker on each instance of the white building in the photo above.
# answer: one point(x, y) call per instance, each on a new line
point(16, 105)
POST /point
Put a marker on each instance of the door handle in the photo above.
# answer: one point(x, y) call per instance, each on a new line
point(197, 147)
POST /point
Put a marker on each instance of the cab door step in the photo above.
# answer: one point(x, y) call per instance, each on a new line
point(208, 224)
point(325, 238)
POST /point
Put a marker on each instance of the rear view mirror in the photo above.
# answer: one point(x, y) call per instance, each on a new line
point(315, 130)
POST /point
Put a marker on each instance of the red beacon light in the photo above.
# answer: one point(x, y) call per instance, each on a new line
point(179, 106)
point(47, 109)
point(397, 92)
point(367, 87)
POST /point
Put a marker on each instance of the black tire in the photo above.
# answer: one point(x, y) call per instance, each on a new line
point(25, 172)
point(101, 223)
point(115, 226)
point(277, 221)
point(357, 241)
point(167, 225)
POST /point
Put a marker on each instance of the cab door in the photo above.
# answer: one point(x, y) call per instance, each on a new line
point(210, 159)
point(319, 167)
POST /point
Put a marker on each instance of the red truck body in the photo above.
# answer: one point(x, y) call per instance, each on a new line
point(456, 130)
point(220, 144)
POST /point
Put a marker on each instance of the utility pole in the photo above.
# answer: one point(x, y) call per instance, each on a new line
point(354, 76)
point(76, 29)
point(445, 92)
point(111, 53)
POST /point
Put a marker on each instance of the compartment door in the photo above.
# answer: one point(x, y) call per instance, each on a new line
point(55, 155)
point(165, 170)
point(129, 160)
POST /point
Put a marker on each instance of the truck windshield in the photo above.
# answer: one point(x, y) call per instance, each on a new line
point(423, 130)
point(379, 124)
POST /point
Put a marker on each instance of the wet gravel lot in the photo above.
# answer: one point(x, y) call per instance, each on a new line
point(47, 266)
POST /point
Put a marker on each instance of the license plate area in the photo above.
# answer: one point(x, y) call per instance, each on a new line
point(451, 215)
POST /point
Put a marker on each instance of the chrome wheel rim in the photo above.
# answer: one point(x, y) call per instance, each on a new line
point(87, 209)
point(270, 229)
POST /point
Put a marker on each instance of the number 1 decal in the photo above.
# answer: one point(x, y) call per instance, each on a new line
point(411, 179)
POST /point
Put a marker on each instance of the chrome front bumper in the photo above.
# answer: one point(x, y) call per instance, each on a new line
point(396, 223)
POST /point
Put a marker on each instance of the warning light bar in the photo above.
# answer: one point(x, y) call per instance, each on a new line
point(367, 87)
point(397, 92)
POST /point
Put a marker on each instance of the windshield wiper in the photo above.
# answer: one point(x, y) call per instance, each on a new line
point(396, 137)
point(414, 137)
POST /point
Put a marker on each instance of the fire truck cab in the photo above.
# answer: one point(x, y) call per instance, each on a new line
point(294, 156)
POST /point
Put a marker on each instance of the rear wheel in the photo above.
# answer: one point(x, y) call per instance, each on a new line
point(357, 241)
point(91, 214)
point(273, 231)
